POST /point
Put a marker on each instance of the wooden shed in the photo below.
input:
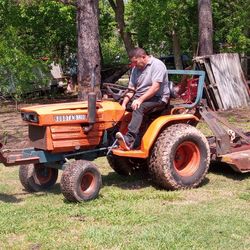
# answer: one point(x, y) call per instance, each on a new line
point(226, 86)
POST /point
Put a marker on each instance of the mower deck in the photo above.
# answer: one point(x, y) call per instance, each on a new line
point(239, 161)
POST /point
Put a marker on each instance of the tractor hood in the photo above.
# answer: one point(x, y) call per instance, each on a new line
point(74, 112)
point(56, 108)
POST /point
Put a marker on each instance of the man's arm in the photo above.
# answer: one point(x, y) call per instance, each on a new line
point(147, 95)
point(127, 97)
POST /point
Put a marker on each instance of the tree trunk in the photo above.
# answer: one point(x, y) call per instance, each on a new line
point(88, 55)
point(177, 50)
point(118, 8)
point(205, 27)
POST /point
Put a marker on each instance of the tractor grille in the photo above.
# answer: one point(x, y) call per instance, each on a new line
point(37, 136)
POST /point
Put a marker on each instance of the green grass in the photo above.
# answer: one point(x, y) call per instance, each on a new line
point(129, 214)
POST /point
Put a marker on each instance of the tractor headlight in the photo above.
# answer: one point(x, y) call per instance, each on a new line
point(30, 117)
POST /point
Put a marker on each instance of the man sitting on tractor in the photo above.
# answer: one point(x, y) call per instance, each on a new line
point(149, 80)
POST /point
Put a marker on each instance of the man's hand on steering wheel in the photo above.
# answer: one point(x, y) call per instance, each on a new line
point(117, 91)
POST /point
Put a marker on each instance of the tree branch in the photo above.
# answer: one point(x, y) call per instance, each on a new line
point(112, 4)
point(68, 2)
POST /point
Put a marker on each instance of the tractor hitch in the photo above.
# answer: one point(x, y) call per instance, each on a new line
point(16, 157)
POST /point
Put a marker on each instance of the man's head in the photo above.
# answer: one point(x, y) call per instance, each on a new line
point(138, 57)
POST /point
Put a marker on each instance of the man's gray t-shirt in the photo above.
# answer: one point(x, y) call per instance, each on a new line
point(154, 71)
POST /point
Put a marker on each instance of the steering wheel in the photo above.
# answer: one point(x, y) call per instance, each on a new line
point(117, 91)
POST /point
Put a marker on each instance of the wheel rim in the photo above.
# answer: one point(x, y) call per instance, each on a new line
point(88, 183)
point(187, 158)
point(43, 174)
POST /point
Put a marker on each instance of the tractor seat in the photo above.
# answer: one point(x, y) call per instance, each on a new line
point(157, 111)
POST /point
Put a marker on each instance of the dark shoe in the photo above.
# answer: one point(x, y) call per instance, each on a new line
point(122, 141)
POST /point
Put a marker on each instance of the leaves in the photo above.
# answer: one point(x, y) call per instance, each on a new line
point(231, 26)
point(32, 29)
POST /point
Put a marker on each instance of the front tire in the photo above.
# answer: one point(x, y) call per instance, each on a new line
point(180, 158)
point(37, 177)
point(81, 181)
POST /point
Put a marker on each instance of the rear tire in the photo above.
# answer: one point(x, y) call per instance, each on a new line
point(125, 166)
point(37, 177)
point(180, 158)
point(81, 181)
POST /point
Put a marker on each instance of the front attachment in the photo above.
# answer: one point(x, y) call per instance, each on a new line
point(16, 157)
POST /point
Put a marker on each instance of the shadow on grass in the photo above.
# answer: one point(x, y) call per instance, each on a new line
point(204, 182)
point(53, 190)
point(223, 169)
point(135, 182)
point(126, 182)
point(56, 189)
point(9, 198)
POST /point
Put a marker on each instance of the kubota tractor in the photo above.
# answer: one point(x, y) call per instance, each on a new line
point(69, 136)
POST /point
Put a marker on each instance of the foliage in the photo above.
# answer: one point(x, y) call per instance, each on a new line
point(232, 32)
point(19, 72)
point(30, 30)
point(153, 24)
point(112, 51)
point(47, 28)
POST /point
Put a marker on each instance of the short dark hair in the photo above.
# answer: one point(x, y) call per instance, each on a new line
point(137, 52)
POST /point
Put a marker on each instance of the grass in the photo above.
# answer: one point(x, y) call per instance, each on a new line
point(129, 214)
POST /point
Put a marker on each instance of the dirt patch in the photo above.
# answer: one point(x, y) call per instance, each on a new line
point(13, 131)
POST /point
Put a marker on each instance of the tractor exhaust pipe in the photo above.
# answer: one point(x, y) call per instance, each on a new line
point(91, 111)
point(91, 103)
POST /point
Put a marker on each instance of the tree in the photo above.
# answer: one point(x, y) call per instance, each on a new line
point(88, 55)
point(118, 7)
point(205, 27)
point(165, 27)
point(31, 29)
point(88, 51)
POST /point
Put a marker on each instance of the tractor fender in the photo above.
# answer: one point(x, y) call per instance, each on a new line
point(158, 124)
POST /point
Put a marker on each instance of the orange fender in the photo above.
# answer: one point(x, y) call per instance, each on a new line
point(152, 133)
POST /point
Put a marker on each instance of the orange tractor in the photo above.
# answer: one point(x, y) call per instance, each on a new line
point(170, 148)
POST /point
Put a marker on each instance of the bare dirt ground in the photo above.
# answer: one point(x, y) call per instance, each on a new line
point(14, 132)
